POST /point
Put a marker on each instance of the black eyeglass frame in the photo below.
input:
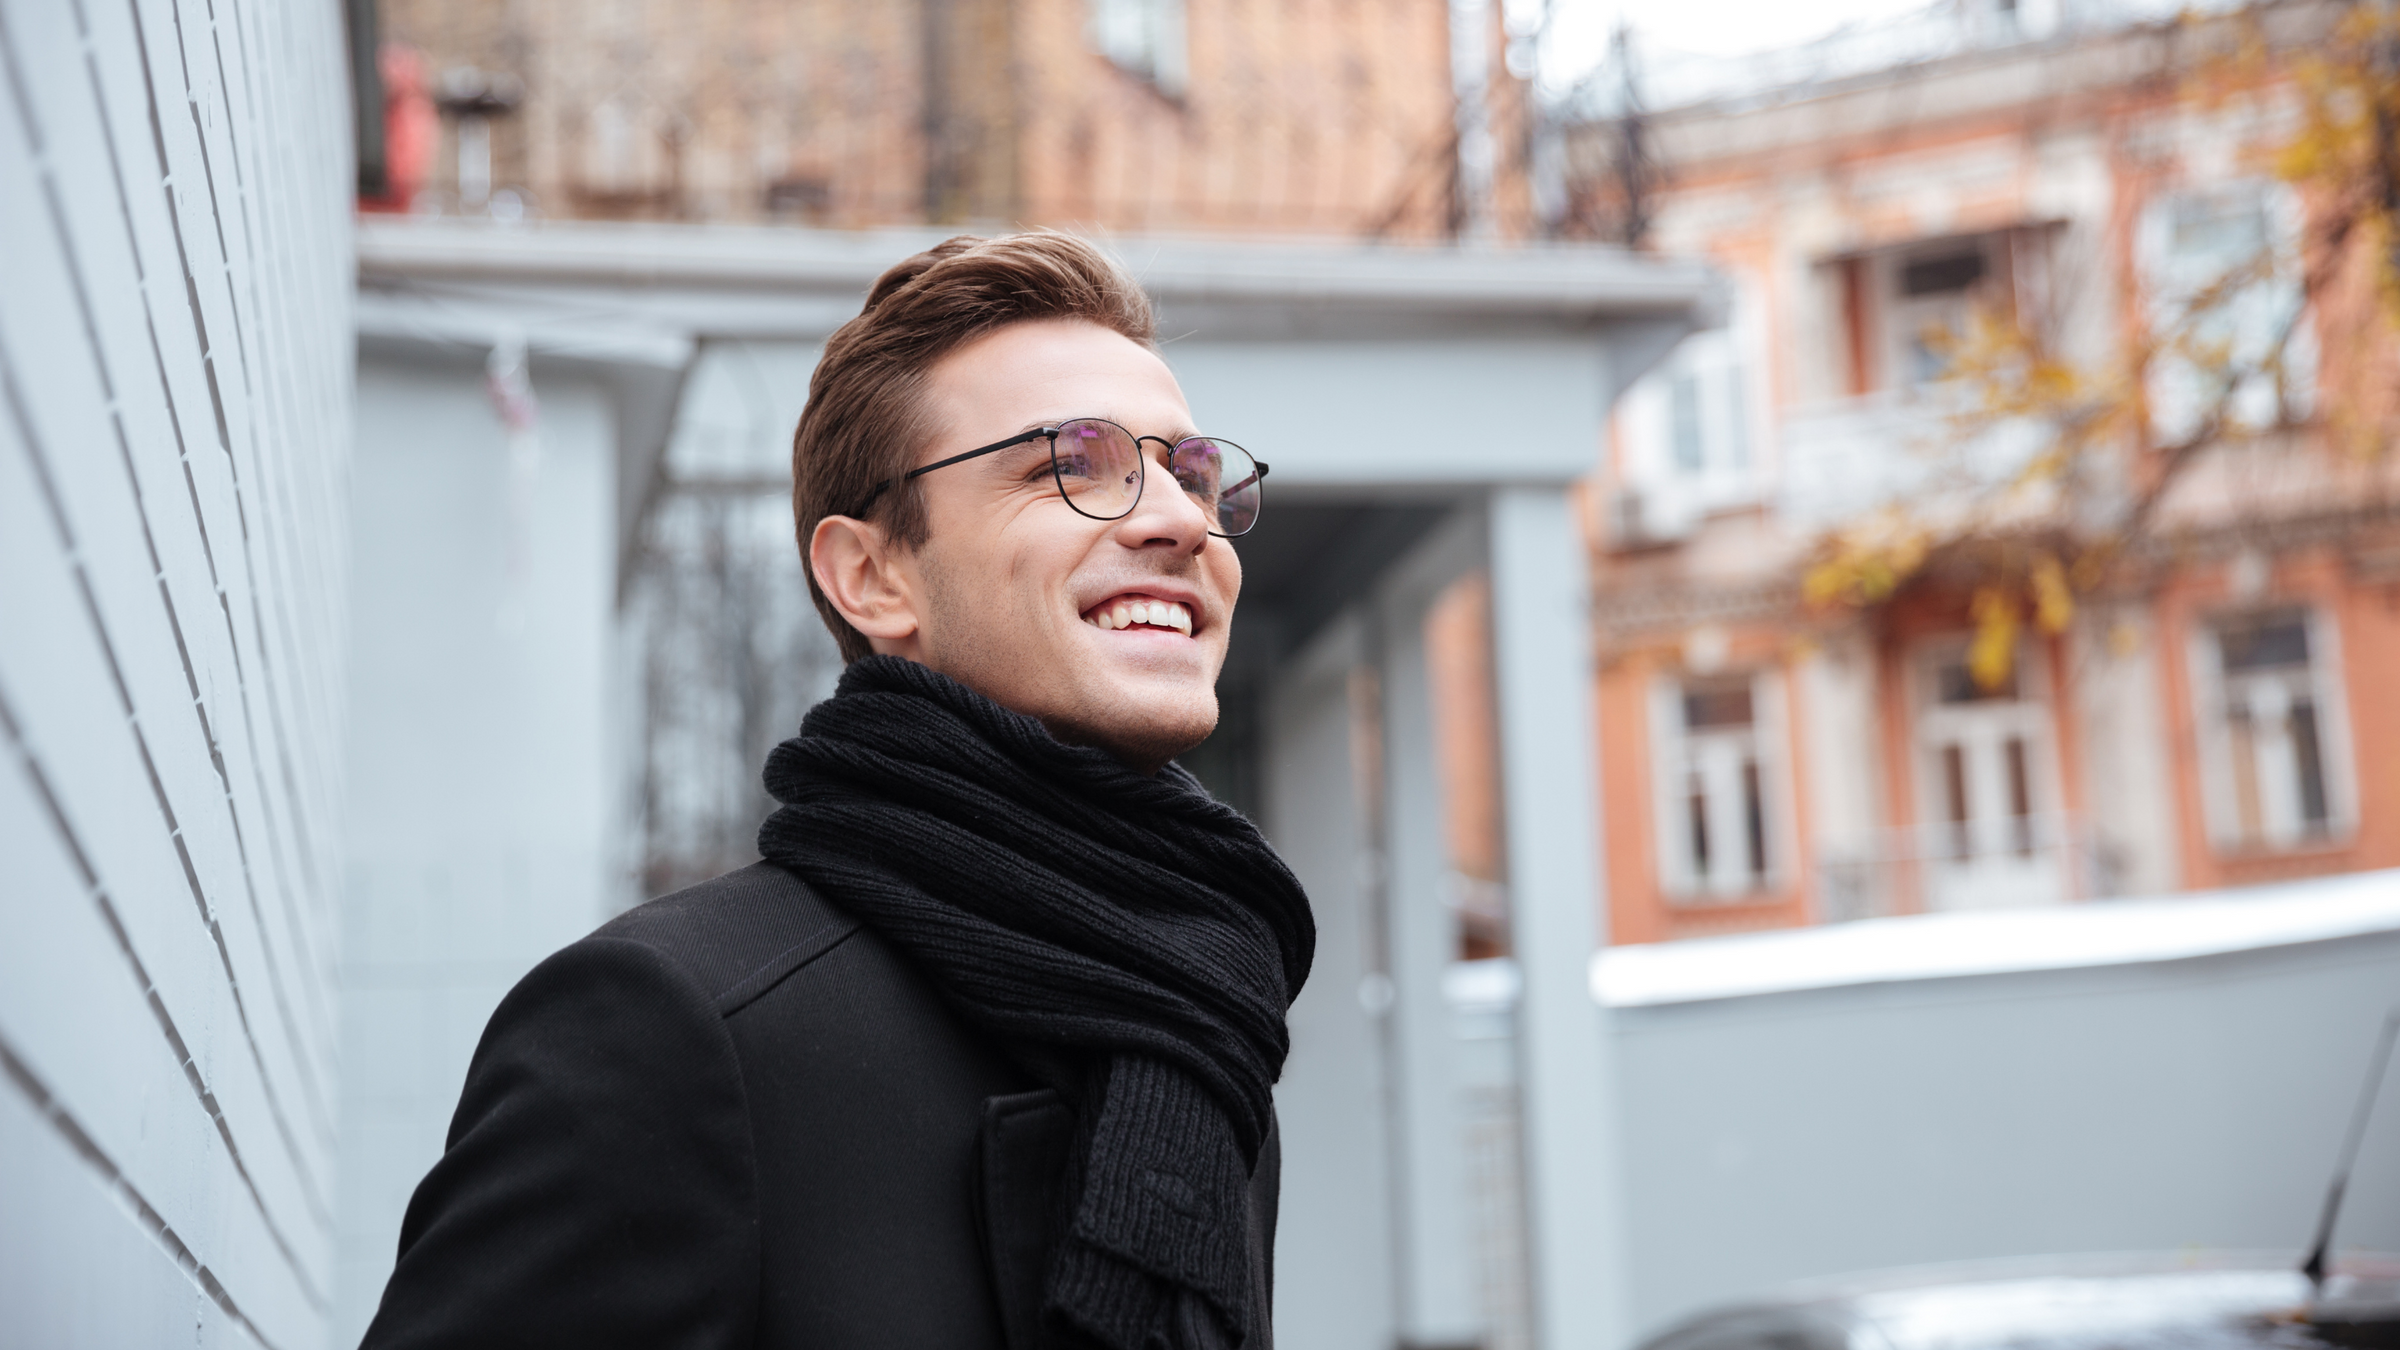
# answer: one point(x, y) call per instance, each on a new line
point(1059, 480)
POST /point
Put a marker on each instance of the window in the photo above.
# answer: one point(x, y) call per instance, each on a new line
point(2271, 782)
point(1143, 38)
point(1708, 430)
point(1930, 293)
point(1684, 431)
point(2222, 275)
point(1688, 434)
point(1714, 783)
point(1989, 832)
point(2008, 778)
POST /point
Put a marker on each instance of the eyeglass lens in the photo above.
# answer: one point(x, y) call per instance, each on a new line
point(1099, 469)
point(1222, 478)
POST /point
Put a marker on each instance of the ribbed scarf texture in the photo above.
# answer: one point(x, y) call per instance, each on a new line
point(1129, 925)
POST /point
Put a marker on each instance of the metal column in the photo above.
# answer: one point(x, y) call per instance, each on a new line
point(1573, 1190)
point(1434, 1237)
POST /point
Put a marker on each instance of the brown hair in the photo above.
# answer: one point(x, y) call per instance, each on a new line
point(865, 422)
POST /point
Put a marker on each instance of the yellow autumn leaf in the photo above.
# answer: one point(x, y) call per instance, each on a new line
point(2053, 600)
point(1993, 653)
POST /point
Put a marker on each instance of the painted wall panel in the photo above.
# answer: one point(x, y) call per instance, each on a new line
point(2130, 791)
point(483, 779)
point(1333, 1276)
point(1401, 413)
point(2157, 1106)
point(174, 395)
point(51, 1300)
point(107, 776)
point(82, 1030)
point(1837, 741)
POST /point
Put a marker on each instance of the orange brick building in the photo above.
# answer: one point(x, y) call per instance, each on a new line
point(2218, 710)
point(2210, 716)
point(1323, 117)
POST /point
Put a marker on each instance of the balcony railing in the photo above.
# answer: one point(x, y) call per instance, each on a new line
point(2045, 859)
point(1842, 459)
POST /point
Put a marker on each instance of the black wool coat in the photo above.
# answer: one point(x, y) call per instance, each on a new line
point(735, 1117)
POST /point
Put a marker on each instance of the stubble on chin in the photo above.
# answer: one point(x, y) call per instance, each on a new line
point(969, 645)
point(1145, 743)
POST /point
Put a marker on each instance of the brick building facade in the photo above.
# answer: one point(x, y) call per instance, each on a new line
point(1326, 117)
point(2213, 714)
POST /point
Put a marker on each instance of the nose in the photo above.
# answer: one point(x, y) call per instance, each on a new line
point(1166, 516)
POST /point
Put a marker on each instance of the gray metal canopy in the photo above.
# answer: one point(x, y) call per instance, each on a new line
point(1373, 371)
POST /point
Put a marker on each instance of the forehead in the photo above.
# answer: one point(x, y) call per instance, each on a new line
point(1044, 370)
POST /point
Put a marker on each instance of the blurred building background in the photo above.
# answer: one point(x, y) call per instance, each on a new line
point(1704, 701)
point(2192, 605)
point(1309, 118)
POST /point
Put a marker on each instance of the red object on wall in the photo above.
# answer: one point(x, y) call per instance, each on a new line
point(411, 129)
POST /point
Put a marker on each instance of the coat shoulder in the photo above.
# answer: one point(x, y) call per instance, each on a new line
point(740, 934)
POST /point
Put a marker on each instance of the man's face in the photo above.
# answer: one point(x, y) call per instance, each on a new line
point(1012, 583)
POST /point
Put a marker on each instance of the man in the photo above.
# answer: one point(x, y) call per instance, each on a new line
point(981, 1054)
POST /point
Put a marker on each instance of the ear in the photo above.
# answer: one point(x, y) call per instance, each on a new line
point(869, 580)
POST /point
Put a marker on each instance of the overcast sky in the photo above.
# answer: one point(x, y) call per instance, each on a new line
point(1580, 28)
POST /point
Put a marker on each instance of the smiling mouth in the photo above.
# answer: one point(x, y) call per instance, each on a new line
point(1140, 611)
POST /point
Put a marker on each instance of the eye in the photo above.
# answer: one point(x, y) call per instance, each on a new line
point(1199, 469)
point(1082, 451)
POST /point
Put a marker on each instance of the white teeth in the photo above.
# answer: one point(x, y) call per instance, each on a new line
point(1127, 613)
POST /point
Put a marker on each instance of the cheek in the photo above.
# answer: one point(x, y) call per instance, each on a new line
point(1041, 564)
point(1003, 554)
point(1228, 569)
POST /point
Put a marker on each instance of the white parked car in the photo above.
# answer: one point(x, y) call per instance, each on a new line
point(2127, 1302)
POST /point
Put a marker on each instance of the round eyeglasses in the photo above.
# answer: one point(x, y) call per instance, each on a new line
point(1099, 469)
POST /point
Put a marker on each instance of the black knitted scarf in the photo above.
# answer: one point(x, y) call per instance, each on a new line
point(1129, 926)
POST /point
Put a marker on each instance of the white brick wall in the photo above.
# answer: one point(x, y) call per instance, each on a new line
point(175, 375)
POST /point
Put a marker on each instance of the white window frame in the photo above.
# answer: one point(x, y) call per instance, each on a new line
point(2032, 716)
point(1723, 368)
point(1147, 39)
point(2177, 391)
point(1899, 319)
point(2213, 707)
point(1672, 762)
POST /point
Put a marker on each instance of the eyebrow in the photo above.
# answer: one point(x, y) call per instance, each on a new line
point(1181, 433)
